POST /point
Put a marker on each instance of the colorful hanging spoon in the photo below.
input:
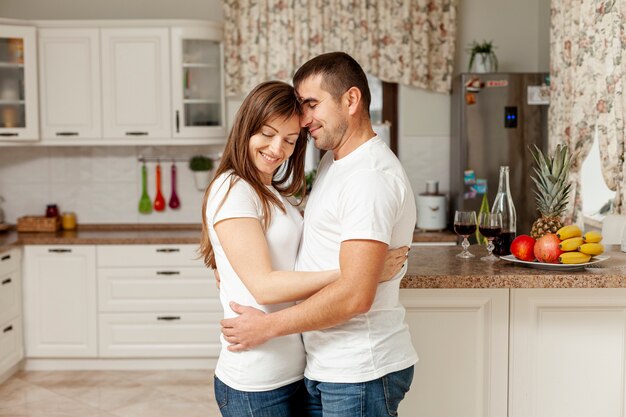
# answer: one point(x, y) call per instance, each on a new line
point(174, 200)
point(159, 201)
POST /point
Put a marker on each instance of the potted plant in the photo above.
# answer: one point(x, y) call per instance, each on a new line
point(201, 167)
point(482, 57)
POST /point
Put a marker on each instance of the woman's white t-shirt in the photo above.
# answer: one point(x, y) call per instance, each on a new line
point(281, 360)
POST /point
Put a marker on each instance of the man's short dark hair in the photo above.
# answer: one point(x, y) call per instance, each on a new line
point(339, 72)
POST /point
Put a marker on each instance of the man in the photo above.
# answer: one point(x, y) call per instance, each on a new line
point(359, 353)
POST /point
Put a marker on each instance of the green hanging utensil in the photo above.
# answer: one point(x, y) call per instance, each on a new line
point(145, 204)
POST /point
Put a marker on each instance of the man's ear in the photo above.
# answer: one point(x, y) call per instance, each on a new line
point(352, 98)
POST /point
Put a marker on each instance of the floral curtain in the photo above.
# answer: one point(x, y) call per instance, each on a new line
point(403, 41)
point(588, 75)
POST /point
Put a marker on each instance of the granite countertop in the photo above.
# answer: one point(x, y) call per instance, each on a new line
point(120, 234)
point(438, 267)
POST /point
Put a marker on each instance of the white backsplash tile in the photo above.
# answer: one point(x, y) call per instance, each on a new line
point(100, 184)
point(103, 184)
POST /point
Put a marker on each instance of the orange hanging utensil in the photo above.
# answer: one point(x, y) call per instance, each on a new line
point(159, 200)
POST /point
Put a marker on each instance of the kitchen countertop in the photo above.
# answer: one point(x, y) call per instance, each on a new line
point(438, 267)
point(429, 266)
point(122, 234)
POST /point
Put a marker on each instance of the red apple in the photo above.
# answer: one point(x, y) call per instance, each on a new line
point(547, 249)
point(523, 247)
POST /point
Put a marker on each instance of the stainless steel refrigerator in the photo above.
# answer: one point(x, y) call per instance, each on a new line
point(495, 119)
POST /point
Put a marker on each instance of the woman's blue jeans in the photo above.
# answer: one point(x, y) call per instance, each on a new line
point(287, 401)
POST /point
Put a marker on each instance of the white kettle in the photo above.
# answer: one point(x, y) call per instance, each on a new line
point(431, 208)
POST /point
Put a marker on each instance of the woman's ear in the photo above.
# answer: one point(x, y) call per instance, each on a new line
point(353, 100)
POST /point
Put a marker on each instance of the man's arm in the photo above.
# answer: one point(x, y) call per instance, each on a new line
point(361, 264)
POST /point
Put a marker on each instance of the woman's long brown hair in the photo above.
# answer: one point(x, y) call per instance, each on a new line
point(266, 102)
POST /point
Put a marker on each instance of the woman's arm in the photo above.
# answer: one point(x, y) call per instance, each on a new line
point(250, 258)
point(247, 251)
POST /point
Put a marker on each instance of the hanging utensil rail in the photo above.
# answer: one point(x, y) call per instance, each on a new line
point(142, 158)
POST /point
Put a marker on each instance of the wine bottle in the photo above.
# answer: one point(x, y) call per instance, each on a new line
point(503, 204)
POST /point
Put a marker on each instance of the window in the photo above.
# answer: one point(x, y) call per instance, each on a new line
point(596, 196)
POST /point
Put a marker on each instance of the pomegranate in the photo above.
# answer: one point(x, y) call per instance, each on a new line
point(547, 249)
point(523, 247)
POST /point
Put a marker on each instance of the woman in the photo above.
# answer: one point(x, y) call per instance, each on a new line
point(251, 234)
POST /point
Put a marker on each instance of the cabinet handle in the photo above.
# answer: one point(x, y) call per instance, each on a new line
point(7, 329)
point(6, 257)
point(168, 250)
point(6, 281)
point(9, 134)
point(67, 133)
point(168, 272)
point(177, 121)
point(168, 318)
point(59, 250)
point(136, 133)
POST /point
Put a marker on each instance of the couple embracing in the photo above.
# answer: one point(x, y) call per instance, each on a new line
point(312, 322)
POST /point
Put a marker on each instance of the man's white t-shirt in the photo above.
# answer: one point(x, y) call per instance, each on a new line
point(279, 361)
point(365, 195)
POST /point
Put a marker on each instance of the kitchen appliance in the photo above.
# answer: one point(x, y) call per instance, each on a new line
point(431, 208)
point(495, 118)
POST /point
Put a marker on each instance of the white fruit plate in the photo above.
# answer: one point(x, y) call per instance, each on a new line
point(555, 267)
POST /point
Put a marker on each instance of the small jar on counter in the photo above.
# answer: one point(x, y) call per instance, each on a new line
point(68, 220)
point(52, 210)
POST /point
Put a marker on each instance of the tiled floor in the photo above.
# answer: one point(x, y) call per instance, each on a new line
point(109, 394)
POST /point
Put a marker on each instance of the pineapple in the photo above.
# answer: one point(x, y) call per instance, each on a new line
point(552, 181)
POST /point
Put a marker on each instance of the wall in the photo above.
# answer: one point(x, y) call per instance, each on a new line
point(100, 184)
point(112, 9)
point(520, 30)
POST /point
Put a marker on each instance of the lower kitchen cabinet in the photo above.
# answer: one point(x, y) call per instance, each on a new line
point(60, 310)
point(567, 352)
point(156, 301)
point(11, 339)
point(165, 335)
point(461, 337)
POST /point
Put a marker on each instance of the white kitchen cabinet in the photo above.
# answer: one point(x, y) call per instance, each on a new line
point(461, 338)
point(156, 301)
point(567, 353)
point(69, 79)
point(11, 339)
point(197, 82)
point(60, 310)
point(19, 119)
point(136, 82)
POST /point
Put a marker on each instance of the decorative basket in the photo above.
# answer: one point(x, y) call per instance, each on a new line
point(38, 224)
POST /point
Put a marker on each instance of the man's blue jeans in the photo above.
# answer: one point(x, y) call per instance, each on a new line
point(376, 398)
point(287, 401)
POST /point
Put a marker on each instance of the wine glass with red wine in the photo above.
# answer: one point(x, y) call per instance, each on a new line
point(490, 226)
point(465, 225)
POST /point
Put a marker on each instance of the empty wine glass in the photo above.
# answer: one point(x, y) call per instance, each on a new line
point(465, 225)
point(490, 226)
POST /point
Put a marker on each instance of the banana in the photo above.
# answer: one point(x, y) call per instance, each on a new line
point(592, 237)
point(566, 232)
point(574, 258)
point(591, 248)
point(571, 244)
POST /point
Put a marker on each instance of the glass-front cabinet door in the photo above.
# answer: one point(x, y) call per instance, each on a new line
point(18, 83)
point(197, 83)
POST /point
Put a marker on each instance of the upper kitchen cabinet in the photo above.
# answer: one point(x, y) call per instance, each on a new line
point(18, 83)
point(197, 82)
point(69, 72)
point(136, 82)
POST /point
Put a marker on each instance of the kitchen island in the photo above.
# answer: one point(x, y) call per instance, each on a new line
point(499, 339)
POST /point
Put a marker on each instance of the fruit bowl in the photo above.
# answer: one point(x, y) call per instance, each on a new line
point(555, 267)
